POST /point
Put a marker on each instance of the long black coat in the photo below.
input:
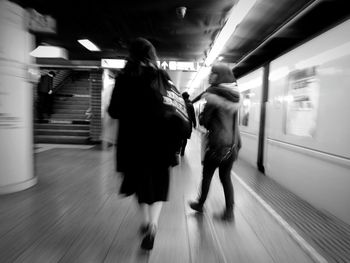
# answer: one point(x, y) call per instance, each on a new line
point(144, 149)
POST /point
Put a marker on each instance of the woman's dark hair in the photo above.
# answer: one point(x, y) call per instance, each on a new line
point(141, 50)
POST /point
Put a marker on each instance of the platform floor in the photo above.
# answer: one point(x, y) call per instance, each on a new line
point(74, 214)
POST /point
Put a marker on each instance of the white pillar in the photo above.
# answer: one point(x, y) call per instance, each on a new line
point(16, 101)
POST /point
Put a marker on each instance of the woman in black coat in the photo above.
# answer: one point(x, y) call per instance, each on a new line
point(144, 150)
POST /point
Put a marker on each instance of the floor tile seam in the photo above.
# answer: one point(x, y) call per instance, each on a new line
point(187, 231)
point(212, 232)
point(215, 237)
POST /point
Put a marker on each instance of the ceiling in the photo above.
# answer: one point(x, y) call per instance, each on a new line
point(269, 29)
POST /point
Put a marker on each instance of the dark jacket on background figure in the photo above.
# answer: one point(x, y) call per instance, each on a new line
point(45, 84)
point(191, 114)
point(44, 91)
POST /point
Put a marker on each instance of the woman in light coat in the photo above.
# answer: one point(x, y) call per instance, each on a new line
point(223, 142)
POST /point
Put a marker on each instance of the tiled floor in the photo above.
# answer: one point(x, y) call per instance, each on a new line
point(323, 236)
point(74, 214)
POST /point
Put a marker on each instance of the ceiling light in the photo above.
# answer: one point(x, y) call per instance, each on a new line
point(238, 12)
point(88, 44)
point(49, 52)
point(113, 63)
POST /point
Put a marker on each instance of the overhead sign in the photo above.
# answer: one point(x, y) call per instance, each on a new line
point(39, 23)
point(113, 63)
point(164, 64)
point(179, 65)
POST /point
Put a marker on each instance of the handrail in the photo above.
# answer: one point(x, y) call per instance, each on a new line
point(65, 66)
point(342, 160)
point(63, 82)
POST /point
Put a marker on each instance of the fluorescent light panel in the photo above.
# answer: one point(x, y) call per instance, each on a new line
point(238, 12)
point(49, 52)
point(88, 44)
point(113, 63)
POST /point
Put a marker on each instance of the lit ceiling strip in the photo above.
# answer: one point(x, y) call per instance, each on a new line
point(113, 63)
point(88, 44)
point(237, 14)
point(49, 52)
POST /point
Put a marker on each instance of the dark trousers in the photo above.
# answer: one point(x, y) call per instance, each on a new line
point(225, 178)
point(44, 104)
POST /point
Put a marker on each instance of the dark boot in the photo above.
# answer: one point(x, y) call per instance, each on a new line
point(196, 206)
point(148, 240)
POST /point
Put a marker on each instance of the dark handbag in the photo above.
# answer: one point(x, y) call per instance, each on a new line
point(218, 156)
point(175, 106)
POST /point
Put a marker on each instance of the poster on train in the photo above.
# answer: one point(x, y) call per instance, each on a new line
point(301, 103)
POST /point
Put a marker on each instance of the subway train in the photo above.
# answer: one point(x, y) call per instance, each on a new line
point(293, 120)
point(302, 139)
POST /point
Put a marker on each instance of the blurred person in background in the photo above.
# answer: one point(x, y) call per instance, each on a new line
point(222, 139)
point(192, 116)
point(144, 151)
point(109, 130)
point(44, 100)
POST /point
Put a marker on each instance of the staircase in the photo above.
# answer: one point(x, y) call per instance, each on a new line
point(69, 123)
